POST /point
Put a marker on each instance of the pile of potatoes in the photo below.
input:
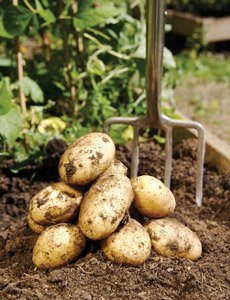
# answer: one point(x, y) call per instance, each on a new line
point(92, 202)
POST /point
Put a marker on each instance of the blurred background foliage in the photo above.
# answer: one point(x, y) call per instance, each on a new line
point(83, 62)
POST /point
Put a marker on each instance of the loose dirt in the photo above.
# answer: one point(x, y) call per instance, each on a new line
point(92, 276)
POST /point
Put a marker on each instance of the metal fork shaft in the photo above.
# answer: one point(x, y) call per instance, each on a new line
point(154, 57)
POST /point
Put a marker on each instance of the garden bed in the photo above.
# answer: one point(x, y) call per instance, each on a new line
point(210, 29)
point(92, 276)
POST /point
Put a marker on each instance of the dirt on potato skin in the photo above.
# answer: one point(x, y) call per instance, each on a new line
point(93, 276)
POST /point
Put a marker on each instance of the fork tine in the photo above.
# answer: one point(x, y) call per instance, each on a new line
point(135, 152)
point(168, 156)
point(200, 152)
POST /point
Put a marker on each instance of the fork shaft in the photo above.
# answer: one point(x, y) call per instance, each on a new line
point(154, 56)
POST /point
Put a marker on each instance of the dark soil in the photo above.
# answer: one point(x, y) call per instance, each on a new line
point(94, 277)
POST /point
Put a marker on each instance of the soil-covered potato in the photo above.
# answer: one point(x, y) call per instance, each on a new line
point(169, 237)
point(116, 167)
point(35, 227)
point(104, 205)
point(130, 245)
point(151, 197)
point(54, 204)
point(86, 159)
point(58, 245)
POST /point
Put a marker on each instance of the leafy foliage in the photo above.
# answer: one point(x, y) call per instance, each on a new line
point(32, 89)
point(10, 120)
point(94, 48)
point(17, 19)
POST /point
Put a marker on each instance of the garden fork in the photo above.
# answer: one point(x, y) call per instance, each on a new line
point(154, 118)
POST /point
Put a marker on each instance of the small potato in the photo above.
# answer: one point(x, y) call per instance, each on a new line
point(169, 237)
point(130, 245)
point(35, 227)
point(54, 204)
point(104, 206)
point(151, 197)
point(58, 245)
point(86, 159)
point(116, 167)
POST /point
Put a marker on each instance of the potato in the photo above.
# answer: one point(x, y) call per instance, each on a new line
point(116, 167)
point(151, 197)
point(35, 227)
point(130, 245)
point(86, 159)
point(58, 245)
point(169, 237)
point(104, 205)
point(54, 204)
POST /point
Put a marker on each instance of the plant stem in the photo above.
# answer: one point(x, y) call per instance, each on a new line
point(19, 61)
point(67, 57)
point(46, 45)
point(33, 10)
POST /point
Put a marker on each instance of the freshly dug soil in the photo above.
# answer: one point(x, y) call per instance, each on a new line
point(94, 277)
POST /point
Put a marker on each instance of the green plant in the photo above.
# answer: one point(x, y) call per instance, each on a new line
point(78, 63)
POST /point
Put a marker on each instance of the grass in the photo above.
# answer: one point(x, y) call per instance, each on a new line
point(205, 67)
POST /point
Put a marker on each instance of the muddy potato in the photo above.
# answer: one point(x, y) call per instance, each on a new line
point(116, 167)
point(104, 205)
point(151, 197)
point(58, 245)
point(169, 237)
point(35, 227)
point(86, 159)
point(54, 204)
point(130, 245)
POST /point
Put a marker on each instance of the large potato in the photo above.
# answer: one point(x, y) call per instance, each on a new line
point(55, 204)
point(58, 245)
point(169, 237)
point(116, 167)
point(104, 205)
point(151, 197)
point(86, 159)
point(130, 245)
point(35, 227)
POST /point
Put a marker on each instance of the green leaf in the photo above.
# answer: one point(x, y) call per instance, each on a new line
point(16, 19)
point(32, 89)
point(45, 14)
point(32, 158)
point(96, 66)
point(4, 155)
point(159, 139)
point(5, 62)
point(95, 16)
point(168, 60)
point(3, 32)
point(84, 5)
point(5, 97)
point(10, 125)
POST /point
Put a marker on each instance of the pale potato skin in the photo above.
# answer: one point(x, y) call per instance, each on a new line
point(35, 227)
point(116, 167)
point(169, 237)
point(86, 159)
point(104, 206)
point(130, 245)
point(151, 197)
point(54, 204)
point(58, 245)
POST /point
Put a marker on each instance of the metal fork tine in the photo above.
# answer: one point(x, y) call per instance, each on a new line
point(168, 156)
point(153, 117)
